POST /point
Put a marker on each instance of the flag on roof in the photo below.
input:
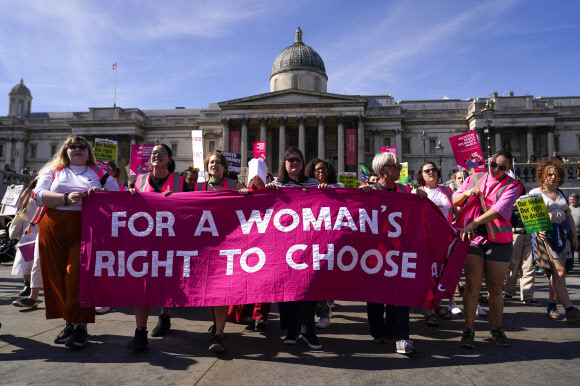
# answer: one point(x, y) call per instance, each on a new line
point(115, 66)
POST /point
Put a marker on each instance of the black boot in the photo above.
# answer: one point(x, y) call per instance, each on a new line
point(140, 340)
point(163, 326)
point(26, 290)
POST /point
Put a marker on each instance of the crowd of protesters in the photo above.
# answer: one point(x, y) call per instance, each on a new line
point(480, 208)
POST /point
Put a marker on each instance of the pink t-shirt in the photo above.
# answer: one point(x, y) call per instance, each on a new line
point(503, 206)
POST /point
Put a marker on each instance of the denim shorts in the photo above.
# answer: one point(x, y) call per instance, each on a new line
point(501, 252)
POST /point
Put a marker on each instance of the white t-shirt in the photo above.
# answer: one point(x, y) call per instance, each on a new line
point(556, 209)
point(440, 199)
point(72, 179)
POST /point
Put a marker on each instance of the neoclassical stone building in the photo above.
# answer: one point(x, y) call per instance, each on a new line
point(298, 111)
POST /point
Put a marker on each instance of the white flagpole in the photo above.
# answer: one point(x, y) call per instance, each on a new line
point(115, 100)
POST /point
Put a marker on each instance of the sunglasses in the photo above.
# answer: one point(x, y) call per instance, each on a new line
point(500, 167)
point(432, 170)
point(399, 167)
point(74, 147)
point(321, 170)
point(160, 153)
point(294, 159)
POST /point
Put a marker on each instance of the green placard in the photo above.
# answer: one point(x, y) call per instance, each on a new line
point(534, 214)
point(105, 150)
point(404, 176)
point(347, 179)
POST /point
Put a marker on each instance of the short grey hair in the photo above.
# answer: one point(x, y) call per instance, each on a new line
point(383, 159)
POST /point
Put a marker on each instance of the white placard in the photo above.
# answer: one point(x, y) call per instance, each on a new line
point(197, 147)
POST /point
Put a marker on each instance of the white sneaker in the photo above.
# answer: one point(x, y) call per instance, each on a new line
point(323, 323)
point(454, 309)
point(102, 310)
point(480, 311)
point(405, 347)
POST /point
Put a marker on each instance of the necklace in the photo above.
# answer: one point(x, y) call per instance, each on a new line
point(79, 174)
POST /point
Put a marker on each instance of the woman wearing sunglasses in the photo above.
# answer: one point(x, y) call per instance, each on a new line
point(71, 175)
point(554, 250)
point(489, 255)
point(294, 315)
point(388, 321)
point(427, 177)
point(162, 180)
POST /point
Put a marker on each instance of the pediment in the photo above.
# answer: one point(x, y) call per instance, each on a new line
point(293, 97)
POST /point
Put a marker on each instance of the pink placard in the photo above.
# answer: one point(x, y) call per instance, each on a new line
point(389, 149)
point(260, 150)
point(467, 152)
point(27, 251)
point(222, 248)
point(235, 142)
point(140, 158)
point(103, 165)
point(351, 146)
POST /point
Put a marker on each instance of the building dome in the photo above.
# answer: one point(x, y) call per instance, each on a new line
point(298, 56)
point(20, 89)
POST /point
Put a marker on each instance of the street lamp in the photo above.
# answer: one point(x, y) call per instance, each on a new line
point(439, 149)
point(424, 139)
point(488, 116)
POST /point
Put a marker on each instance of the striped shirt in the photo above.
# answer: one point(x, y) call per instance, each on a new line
point(293, 184)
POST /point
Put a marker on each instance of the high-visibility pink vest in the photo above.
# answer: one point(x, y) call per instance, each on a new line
point(228, 184)
point(446, 190)
point(501, 229)
point(403, 188)
point(173, 183)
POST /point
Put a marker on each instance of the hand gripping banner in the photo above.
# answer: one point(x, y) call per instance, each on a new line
point(222, 248)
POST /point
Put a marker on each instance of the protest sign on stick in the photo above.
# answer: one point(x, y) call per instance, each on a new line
point(534, 213)
point(140, 156)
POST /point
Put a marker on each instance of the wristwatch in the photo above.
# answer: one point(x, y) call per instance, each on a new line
point(65, 198)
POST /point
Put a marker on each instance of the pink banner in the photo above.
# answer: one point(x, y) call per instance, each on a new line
point(467, 152)
point(140, 156)
point(260, 150)
point(222, 248)
point(351, 146)
point(389, 149)
point(235, 142)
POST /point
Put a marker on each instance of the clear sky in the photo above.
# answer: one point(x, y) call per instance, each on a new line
point(190, 53)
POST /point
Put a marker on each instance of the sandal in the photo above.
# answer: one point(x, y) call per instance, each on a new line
point(443, 314)
point(431, 321)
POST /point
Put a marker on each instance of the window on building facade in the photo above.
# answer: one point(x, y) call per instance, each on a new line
point(406, 146)
point(1, 150)
point(556, 143)
point(317, 83)
point(432, 145)
point(294, 81)
point(387, 142)
point(367, 145)
point(53, 149)
point(32, 151)
point(211, 146)
point(174, 149)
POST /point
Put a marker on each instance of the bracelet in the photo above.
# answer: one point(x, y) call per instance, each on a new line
point(65, 199)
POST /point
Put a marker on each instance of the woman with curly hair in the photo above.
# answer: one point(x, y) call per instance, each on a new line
point(554, 249)
point(323, 171)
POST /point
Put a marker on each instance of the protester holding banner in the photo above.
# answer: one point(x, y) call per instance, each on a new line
point(427, 177)
point(191, 176)
point(489, 254)
point(115, 172)
point(217, 165)
point(161, 179)
point(554, 250)
point(64, 181)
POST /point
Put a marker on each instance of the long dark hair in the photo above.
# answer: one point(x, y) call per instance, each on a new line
point(283, 174)
point(171, 165)
point(331, 177)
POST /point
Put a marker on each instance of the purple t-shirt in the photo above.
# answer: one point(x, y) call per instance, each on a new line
point(503, 206)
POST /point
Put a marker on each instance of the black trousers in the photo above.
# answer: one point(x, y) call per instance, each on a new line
point(389, 322)
point(294, 314)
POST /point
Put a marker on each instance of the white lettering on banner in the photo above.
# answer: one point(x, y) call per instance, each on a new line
point(187, 255)
point(254, 218)
point(291, 263)
point(434, 270)
point(363, 261)
point(230, 259)
point(132, 258)
point(317, 256)
point(116, 223)
point(408, 265)
point(121, 264)
point(160, 225)
point(308, 218)
point(398, 229)
point(339, 223)
point(394, 267)
point(149, 228)
point(167, 264)
point(363, 219)
point(257, 267)
point(108, 265)
point(341, 253)
point(206, 217)
point(286, 228)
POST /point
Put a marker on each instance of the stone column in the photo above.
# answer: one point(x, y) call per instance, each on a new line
point(550, 135)
point(498, 144)
point(341, 146)
point(302, 135)
point(244, 142)
point(529, 142)
point(321, 139)
point(377, 141)
point(360, 142)
point(19, 155)
point(282, 139)
point(226, 135)
point(263, 123)
point(399, 141)
point(8, 152)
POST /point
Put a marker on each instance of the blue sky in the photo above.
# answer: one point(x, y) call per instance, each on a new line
point(191, 53)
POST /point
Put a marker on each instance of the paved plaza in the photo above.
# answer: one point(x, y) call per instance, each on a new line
point(544, 352)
